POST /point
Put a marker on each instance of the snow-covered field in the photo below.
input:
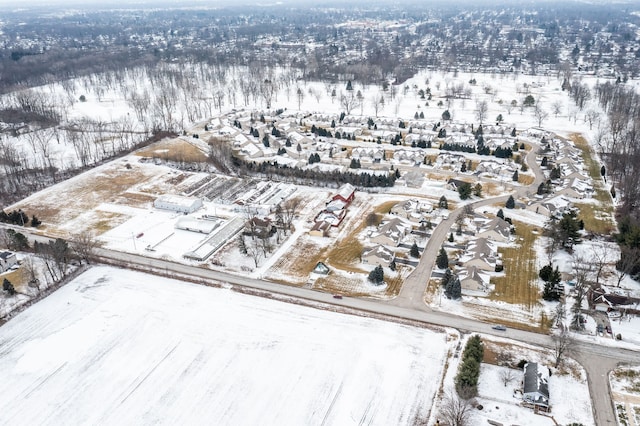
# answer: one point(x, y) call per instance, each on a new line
point(120, 347)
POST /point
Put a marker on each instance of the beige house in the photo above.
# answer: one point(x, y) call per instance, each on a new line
point(377, 255)
point(392, 232)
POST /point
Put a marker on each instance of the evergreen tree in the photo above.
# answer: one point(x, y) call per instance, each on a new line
point(392, 265)
point(463, 167)
point(414, 252)
point(529, 101)
point(453, 290)
point(349, 85)
point(515, 176)
point(446, 115)
point(35, 222)
point(333, 124)
point(8, 287)
point(443, 203)
point(500, 214)
point(513, 132)
point(545, 273)
point(451, 237)
point(376, 276)
point(477, 190)
point(448, 275)
point(511, 203)
point(464, 190)
point(442, 260)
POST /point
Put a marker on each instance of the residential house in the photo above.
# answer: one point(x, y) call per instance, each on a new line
point(481, 254)
point(7, 260)
point(413, 209)
point(377, 255)
point(601, 301)
point(536, 386)
point(454, 184)
point(414, 179)
point(333, 218)
point(261, 228)
point(496, 230)
point(392, 232)
point(472, 279)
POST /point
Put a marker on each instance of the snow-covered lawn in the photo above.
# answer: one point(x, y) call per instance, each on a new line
point(121, 347)
point(500, 402)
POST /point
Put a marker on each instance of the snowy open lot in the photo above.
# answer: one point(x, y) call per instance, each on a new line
point(119, 347)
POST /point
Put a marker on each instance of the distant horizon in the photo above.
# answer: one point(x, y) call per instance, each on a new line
point(20, 5)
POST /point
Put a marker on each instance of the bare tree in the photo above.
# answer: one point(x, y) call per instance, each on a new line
point(31, 270)
point(84, 245)
point(556, 107)
point(591, 117)
point(540, 113)
point(629, 258)
point(299, 96)
point(454, 410)
point(600, 256)
point(506, 376)
point(287, 211)
point(254, 250)
point(562, 345)
point(482, 107)
point(349, 102)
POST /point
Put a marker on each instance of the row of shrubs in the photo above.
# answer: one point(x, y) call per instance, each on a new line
point(466, 380)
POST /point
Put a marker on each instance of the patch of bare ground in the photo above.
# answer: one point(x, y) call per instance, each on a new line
point(518, 284)
point(84, 193)
point(134, 199)
point(505, 315)
point(176, 149)
point(18, 278)
point(491, 189)
point(526, 179)
point(297, 264)
point(105, 221)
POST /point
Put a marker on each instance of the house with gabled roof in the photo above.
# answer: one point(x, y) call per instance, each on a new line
point(473, 279)
point(378, 254)
point(392, 232)
point(412, 209)
point(346, 193)
point(497, 230)
point(536, 386)
point(480, 254)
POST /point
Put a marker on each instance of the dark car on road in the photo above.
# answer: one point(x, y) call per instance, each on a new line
point(499, 327)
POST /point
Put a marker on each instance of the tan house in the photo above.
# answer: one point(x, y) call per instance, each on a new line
point(496, 230)
point(392, 232)
point(377, 255)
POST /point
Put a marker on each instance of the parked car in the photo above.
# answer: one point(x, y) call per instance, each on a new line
point(608, 328)
point(337, 296)
point(499, 327)
point(600, 328)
